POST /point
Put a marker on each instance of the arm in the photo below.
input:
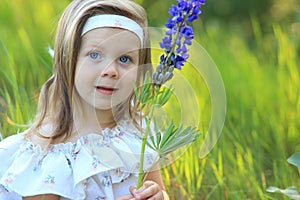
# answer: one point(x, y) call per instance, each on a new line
point(42, 197)
point(153, 187)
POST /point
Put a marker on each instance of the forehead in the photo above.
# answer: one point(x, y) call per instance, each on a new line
point(111, 37)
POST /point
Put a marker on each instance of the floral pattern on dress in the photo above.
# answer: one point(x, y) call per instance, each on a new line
point(85, 140)
point(95, 163)
point(38, 165)
point(106, 181)
point(72, 162)
point(74, 152)
point(49, 181)
point(10, 178)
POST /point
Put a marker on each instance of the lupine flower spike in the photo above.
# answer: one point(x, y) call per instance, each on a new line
point(175, 44)
point(179, 35)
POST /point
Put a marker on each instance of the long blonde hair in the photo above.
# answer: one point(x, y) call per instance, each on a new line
point(56, 98)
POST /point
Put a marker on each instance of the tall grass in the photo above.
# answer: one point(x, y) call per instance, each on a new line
point(26, 31)
point(261, 128)
point(263, 106)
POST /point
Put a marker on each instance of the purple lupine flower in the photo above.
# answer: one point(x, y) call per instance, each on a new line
point(178, 36)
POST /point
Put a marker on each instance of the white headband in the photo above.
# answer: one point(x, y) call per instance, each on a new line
point(118, 21)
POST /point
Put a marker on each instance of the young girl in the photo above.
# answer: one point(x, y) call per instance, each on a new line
point(84, 142)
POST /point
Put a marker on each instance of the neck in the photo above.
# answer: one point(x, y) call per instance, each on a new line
point(90, 120)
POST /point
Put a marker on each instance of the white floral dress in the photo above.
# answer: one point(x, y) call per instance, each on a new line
point(95, 167)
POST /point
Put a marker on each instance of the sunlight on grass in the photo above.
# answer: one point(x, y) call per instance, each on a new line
point(262, 86)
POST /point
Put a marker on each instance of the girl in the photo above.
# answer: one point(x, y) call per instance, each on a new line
point(84, 142)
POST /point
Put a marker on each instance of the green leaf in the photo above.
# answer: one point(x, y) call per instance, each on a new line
point(178, 135)
point(167, 135)
point(172, 138)
point(146, 93)
point(164, 96)
point(295, 160)
point(151, 145)
point(291, 192)
point(136, 91)
point(158, 139)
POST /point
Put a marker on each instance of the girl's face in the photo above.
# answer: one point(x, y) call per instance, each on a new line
point(106, 67)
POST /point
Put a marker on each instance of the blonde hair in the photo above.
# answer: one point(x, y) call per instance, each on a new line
point(56, 99)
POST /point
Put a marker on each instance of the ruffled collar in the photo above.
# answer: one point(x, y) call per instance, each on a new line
point(124, 126)
point(115, 153)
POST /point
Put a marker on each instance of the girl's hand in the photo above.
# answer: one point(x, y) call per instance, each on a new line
point(150, 190)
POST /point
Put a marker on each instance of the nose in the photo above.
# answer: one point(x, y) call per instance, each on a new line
point(111, 70)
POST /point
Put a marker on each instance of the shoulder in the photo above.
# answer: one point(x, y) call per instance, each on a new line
point(49, 170)
point(63, 168)
point(10, 144)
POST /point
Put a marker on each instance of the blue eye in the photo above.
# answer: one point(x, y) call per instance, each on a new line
point(94, 55)
point(125, 59)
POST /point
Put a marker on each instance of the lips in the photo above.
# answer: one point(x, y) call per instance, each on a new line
point(106, 90)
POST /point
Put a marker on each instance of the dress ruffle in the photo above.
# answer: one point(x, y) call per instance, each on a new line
point(66, 169)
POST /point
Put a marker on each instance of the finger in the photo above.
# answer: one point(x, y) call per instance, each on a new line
point(150, 191)
point(148, 184)
point(158, 196)
point(132, 189)
point(145, 185)
point(136, 193)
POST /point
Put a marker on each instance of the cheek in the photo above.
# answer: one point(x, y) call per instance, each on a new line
point(78, 79)
point(83, 77)
point(130, 75)
point(127, 81)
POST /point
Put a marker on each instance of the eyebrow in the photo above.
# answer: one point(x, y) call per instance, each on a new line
point(91, 46)
point(135, 51)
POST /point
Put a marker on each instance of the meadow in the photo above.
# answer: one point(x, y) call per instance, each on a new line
point(262, 82)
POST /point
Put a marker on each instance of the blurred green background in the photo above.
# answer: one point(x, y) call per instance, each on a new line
point(255, 45)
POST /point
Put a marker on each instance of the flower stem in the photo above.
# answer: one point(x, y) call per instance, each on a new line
point(145, 136)
point(144, 141)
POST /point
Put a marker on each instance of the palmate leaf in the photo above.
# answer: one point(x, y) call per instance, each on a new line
point(171, 138)
point(291, 192)
point(179, 141)
point(144, 93)
point(295, 159)
point(175, 54)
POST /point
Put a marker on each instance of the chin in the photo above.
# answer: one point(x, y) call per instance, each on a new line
point(103, 108)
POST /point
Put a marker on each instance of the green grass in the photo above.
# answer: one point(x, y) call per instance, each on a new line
point(263, 108)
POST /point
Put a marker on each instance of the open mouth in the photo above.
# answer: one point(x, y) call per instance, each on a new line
point(106, 90)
